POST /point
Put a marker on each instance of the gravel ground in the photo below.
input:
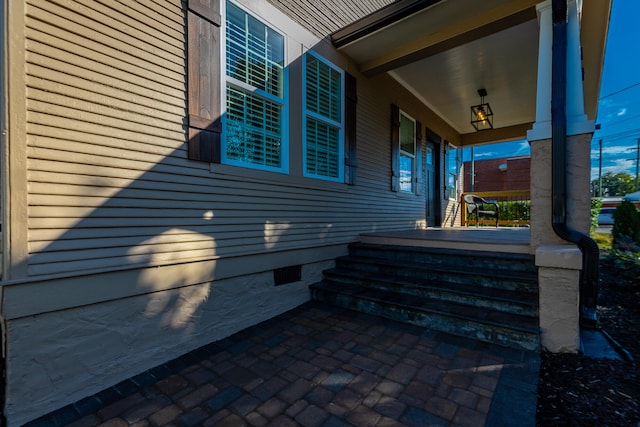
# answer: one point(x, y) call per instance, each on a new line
point(575, 390)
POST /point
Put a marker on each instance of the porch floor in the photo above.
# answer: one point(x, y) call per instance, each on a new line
point(319, 365)
point(501, 239)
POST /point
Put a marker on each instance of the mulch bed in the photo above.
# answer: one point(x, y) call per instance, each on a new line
point(575, 390)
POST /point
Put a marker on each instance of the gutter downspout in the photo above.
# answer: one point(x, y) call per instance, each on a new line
point(589, 275)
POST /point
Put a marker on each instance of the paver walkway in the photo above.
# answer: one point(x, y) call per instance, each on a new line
point(319, 365)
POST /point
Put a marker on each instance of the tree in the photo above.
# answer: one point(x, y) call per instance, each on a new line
point(615, 184)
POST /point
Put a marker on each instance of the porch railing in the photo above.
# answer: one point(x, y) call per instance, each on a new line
point(514, 206)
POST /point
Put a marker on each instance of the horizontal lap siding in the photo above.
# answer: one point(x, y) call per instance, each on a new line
point(109, 182)
point(105, 104)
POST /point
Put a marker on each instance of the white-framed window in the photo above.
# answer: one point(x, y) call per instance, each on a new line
point(323, 127)
point(407, 147)
point(256, 106)
point(453, 171)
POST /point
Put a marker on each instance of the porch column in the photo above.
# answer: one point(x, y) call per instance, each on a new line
point(542, 126)
point(559, 262)
point(577, 122)
point(579, 132)
point(579, 128)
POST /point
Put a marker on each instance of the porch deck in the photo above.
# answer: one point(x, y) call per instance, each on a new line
point(502, 239)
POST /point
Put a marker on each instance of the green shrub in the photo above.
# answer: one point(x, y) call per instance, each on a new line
point(596, 205)
point(626, 222)
point(519, 210)
point(625, 257)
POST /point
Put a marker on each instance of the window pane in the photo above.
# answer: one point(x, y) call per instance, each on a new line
point(255, 52)
point(452, 160)
point(255, 56)
point(452, 172)
point(429, 155)
point(407, 135)
point(406, 173)
point(253, 128)
point(324, 89)
point(323, 123)
point(323, 142)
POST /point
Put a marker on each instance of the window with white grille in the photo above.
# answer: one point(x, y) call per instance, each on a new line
point(323, 119)
point(255, 89)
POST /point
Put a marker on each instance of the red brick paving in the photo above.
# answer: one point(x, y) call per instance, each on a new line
point(318, 366)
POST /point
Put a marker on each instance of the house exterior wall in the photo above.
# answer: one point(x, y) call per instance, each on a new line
point(122, 252)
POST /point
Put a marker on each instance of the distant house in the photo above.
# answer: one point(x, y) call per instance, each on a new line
point(503, 174)
point(166, 163)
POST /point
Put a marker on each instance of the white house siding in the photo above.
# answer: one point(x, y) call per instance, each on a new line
point(136, 254)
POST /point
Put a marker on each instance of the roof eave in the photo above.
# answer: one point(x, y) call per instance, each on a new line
point(379, 19)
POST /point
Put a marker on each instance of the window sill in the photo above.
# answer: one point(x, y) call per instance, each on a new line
point(239, 173)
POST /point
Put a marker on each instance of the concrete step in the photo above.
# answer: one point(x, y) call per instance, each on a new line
point(487, 296)
point(444, 258)
point(478, 276)
point(483, 324)
point(508, 301)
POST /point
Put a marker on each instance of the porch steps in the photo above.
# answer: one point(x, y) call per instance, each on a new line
point(487, 296)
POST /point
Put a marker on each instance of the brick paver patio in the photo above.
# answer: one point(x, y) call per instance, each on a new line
point(319, 365)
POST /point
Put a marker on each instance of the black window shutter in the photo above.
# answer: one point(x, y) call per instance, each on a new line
point(419, 141)
point(203, 63)
point(395, 148)
point(351, 100)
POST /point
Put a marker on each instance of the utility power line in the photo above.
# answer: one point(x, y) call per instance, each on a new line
point(620, 91)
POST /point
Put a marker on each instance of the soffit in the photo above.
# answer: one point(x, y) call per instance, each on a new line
point(443, 51)
point(449, 49)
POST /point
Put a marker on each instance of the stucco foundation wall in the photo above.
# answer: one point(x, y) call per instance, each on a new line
point(57, 358)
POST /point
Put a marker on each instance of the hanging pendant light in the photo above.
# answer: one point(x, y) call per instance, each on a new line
point(481, 114)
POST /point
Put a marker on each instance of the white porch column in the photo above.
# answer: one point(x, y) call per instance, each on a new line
point(542, 126)
point(577, 122)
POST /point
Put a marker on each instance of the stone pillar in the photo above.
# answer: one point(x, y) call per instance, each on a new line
point(559, 262)
point(578, 200)
point(558, 276)
point(579, 132)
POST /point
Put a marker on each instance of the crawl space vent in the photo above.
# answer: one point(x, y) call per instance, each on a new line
point(282, 276)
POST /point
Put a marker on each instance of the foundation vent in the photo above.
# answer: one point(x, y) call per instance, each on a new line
point(282, 276)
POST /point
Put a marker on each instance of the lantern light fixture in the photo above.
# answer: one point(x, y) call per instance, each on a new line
point(481, 114)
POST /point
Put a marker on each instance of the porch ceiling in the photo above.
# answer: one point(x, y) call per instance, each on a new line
point(443, 51)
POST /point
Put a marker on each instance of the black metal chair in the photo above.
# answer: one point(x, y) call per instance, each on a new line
point(478, 206)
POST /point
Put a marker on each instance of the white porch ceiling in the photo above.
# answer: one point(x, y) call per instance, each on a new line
point(447, 51)
point(505, 64)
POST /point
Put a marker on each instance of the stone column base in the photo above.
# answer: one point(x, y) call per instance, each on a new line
point(559, 268)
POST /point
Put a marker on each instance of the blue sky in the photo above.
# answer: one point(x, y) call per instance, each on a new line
point(619, 107)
